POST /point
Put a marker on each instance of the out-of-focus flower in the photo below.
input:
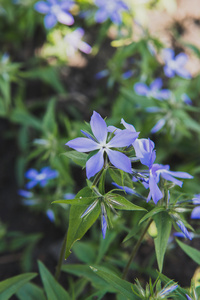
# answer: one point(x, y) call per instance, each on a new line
point(55, 11)
point(74, 42)
point(175, 64)
point(99, 142)
point(50, 215)
point(196, 211)
point(158, 126)
point(102, 74)
point(184, 230)
point(154, 90)
point(41, 177)
point(69, 196)
point(188, 297)
point(167, 290)
point(186, 99)
point(111, 9)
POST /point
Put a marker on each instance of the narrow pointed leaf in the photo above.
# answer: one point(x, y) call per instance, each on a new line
point(11, 285)
point(78, 158)
point(152, 213)
point(83, 201)
point(163, 224)
point(30, 291)
point(193, 253)
point(120, 202)
point(52, 288)
point(79, 226)
point(122, 286)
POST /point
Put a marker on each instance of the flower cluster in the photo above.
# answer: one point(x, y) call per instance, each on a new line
point(154, 90)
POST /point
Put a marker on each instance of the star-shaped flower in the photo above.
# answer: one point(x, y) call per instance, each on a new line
point(101, 142)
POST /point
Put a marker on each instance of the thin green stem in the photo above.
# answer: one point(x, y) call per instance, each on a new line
point(135, 249)
point(61, 258)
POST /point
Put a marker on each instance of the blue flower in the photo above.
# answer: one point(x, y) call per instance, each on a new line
point(69, 196)
point(188, 297)
point(186, 99)
point(184, 230)
point(41, 177)
point(196, 211)
point(74, 42)
point(155, 172)
point(50, 215)
point(175, 64)
point(158, 126)
point(110, 10)
point(167, 290)
point(154, 90)
point(55, 11)
point(100, 143)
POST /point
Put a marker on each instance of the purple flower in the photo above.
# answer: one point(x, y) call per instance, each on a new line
point(184, 229)
point(55, 11)
point(100, 143)
point(110, 10)
point(69, 196)
point(25, 194)
point(157, 171)
point(188, 297)
point(175, 64)
point(41, 177)
point(144, 149)
point(158, 126)
point(50, 215)
point(167, 290)
point(154, 90)
point(74, 42)
point(196, 211)
point(102, 74)
point(186, 99)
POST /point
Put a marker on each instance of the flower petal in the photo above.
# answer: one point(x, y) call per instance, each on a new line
point(65, 18)
point(196, 213)
point(83, 144)
point(94, 164)
point(168, 177)
point(42, 7)
point(119, 160)
point(168, 54)
point(99, 127)
point(180, 174)
point(128, 126)
point(159, 125)
point(155, 192)
point(103, 226)
point(141, 89)
point(101, 16)
point(84, 47)
point(156, 84)
point(169, 72)
point(181, 59)
point(31, 184)
point(123, 138)
point(50, 21)
point(184, 229)
point(31, 174)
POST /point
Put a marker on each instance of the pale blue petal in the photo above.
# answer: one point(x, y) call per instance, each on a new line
point(186, 99)
point(66, 5)
point(103, 226)
point(141, 89)
point(101, 16)
point(31, 174)
point(168, 177)
point(156, 84)
point(65, 18)
point(159, 125)
point(155, 192)
point(183, 73)
point(123, 139)
point(169, 72)
point(84, 47)
point(188, 297)
point(128, 126)
point(113, 129)
point(99, 127)
point(181, 59)
point(50, 21)
point(94, 164)
point(116, 17)
point(180, 174)
point(168, 54)
point(42, 7)
point(196, 213)
point(119, 160)
point(164, 94)
point(50, 215)
point(31, 184)
point(83, 144)
point(25, 194)
point(184, 229)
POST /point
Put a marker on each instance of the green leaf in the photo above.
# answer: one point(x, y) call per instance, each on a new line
point(10, 286)
point(49, 123)
point(53, 289)
point(82, 201)
point(120, 202)
point(30, 291)
point(152, 213)
point(105, 244)
point(23, 117)
point(85, 272)
point(97, 296)
point(79, 226)
point(122, 286)
point(193, 253)
point(85, 252)
point(121, 178)
point(163, 224)
point(77, 157)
